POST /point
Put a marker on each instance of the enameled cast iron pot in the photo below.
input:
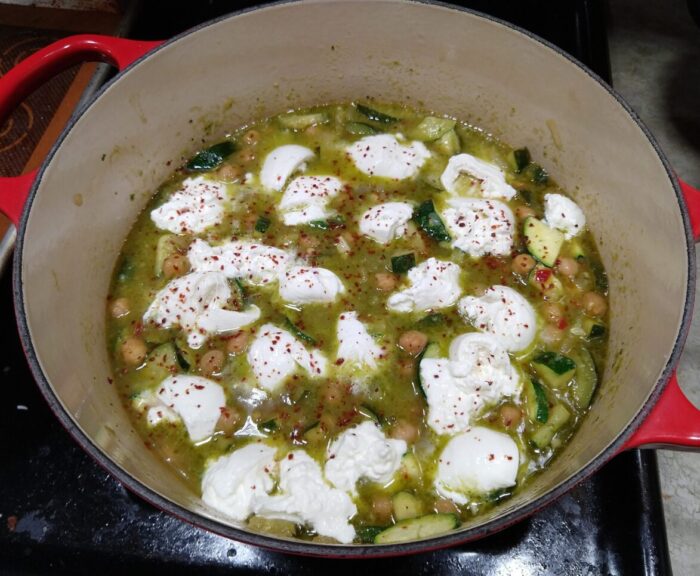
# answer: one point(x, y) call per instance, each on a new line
point(74, 213)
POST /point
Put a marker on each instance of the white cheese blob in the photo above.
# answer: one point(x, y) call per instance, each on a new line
point(385, 222)
point(488, 178)
point(503, 312)
point(475, 463)
point(275, 355)
point(355, 345)
point(480, 227)
point(303, 497)
point(363, 452)
point(232, 483)
point(307, 285)
point(477, 374)
point(156, 411)
point(196, 400)
point(434, 284)
point(253, 262)
point(193, 208)
point(564, 214)
point(382, 155)
point(306, 199)
point(281, 163)
point(195, 303)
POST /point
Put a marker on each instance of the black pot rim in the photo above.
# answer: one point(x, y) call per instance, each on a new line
point(350, 551)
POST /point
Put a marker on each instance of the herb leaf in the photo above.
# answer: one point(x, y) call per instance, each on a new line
point(298, 333)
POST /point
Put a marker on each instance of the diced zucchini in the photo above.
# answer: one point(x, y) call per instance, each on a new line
point(303, 121)
point(406, 505)
point(360, 129)
point(431, 128)
point(546, 282)
point(536, 400)
point(543, 242)
point(576, 249)
point(448, 143)
point(211, 158)
point(558, 416)
point(430, 222)
point(329, 223)
point(410, 467)
point(126, 269)
point(403, 263)
point(593, 329)
point(375, 115)
point(417, 528)
point(262, 224)
point(555, 369)
point(537, 174)
point(315, 434)
point(432, 350)
point(160, 363)
point(520, 159)
point(586, 378)
point(367, 534)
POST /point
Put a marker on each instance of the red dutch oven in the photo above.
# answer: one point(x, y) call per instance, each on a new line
point(261, 62)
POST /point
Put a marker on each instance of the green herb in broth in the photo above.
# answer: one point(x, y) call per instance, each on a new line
point(557, 373)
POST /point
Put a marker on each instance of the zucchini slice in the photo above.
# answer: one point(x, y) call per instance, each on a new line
point(416, 528)
point(558, 416)
point(537, 404)
point(403, 263)
point(302, 121)
point(431, 128)
point(555, 369)
point(543, 242)
point(160, 363)
point(546, 282)
point(406, 506)
point(586, 378)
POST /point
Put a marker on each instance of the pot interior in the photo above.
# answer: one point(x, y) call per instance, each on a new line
point(264, 62)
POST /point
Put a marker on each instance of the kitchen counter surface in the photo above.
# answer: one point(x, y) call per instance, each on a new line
point(654, 51)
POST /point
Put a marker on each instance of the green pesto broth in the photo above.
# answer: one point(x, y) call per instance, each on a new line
point(569, 298)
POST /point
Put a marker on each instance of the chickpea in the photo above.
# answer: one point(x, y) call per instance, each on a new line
point(522, 212)
point(382, 508)
point(229, 173)
point(404, 430)
point(551, 335)
point(522, 264)
point(594, 304)
point(251, 137)
point(553, 312)
point(413, 342)
point(510, 416)
point(120, 307)
point(134, 351)
point(568, 267)
point(445, 506)
point(386, 281)
point(228, 420)
point(212, 362)
point(175, 265)
point(237, 343)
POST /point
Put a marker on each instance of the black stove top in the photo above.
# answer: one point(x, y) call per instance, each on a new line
point(60, 513)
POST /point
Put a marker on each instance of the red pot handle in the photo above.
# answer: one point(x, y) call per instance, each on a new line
point(36, 69)
point(674, 422)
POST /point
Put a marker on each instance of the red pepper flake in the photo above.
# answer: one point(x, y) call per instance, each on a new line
point(562, 324)
point(542, 275)
point(339, 361)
